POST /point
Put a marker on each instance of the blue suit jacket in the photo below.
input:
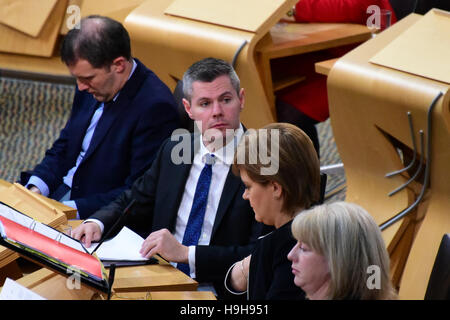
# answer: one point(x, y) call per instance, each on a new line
point(125, 142)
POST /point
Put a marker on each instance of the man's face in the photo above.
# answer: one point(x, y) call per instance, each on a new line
point(215, 105)
point(102, 83)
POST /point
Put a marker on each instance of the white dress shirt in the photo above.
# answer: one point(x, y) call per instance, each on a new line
point(224, 159)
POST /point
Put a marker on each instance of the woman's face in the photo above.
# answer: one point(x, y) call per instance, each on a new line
point(310, 269)
point(261, 198)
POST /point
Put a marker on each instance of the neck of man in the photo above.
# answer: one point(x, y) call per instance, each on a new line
point(122, 78)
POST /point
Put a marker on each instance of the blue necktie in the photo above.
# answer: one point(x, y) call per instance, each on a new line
point(197, 214)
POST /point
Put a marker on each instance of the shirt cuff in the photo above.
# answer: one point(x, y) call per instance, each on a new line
point(98, 222)
point(191, 258)
point(40, 184)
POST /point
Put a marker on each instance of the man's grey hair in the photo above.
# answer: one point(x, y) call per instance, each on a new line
point(207, 70)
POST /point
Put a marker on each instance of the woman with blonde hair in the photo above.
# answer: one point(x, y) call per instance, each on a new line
point(340, 254)
point(280, 170)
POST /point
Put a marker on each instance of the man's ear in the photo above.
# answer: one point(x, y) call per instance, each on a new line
point(187, 107)
point(119, 64)
point(242, 97)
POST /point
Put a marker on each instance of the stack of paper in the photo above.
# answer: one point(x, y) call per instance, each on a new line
point(123, 249)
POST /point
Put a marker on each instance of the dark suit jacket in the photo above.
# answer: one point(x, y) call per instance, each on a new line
point(158, 195)
point(125, 142)
point(270, 274)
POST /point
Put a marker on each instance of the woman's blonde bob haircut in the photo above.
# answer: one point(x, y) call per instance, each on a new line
point(298, 170)
point(350, 240)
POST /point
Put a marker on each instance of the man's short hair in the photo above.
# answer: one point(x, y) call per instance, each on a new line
point(207, 70)
point(99, 40)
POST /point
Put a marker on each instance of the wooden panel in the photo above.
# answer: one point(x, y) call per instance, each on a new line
point(50, 203)
point(295, 38)
point(248, 15)
point(32, 205)
point(14, 41)
point(158, 277)
point(368, 111)
point(27, 16)
point(324, 67)
point(16, 65)
point(116, 9)
point(53, 286)
point(165, 295)
point(431, 32)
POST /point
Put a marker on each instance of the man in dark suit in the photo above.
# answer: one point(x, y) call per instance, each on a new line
point(167, 194)
point(121, 114)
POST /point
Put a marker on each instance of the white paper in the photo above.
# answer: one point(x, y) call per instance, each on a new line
point(15, 216)
point(15, 291)
point(124, 246)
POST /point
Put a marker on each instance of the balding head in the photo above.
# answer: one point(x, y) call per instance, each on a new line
point(99, 40)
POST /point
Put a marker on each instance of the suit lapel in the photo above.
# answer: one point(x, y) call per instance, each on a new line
point(174, 186)
point(110, 114)
point(231, 187)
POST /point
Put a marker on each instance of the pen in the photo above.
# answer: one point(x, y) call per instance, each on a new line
point(125, 211)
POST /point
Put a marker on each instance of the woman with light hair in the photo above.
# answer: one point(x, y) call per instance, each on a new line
point(280, 170)
point(340, 254)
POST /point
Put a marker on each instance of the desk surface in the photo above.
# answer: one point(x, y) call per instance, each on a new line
point(287, 39)
point(68, 211)
point(131, 281)
point(324, 67)
point(165, 295)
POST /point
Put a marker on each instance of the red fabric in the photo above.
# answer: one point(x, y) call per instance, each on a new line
point(350, 11)
point(310, 97)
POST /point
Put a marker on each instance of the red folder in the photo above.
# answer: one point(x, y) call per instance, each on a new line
point(52, 248)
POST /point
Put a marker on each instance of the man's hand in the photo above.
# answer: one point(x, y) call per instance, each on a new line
point(165, 244)
point(87, 233)
point(35, 190)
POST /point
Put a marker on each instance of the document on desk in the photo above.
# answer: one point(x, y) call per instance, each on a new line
point(14, 291)
point(124, 246)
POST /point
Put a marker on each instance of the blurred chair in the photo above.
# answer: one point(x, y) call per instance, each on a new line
point(439, 283)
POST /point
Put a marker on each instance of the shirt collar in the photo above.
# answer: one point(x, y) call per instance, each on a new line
point(225, 154)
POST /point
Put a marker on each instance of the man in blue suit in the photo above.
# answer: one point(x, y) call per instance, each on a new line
point(121, 114)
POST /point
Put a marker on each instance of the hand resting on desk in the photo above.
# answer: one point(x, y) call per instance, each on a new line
point(87, 233)
point(162, 242)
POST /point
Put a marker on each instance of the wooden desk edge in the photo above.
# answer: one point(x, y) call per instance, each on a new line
point(324, 67)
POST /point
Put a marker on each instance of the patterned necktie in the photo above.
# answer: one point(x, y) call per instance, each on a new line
point(197, 214)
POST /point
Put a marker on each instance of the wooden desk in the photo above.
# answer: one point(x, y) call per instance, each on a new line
point(369, 106)
point(133, 282)
point(158, 277)
point(165, 295)
point(290, 39)
point(324, 67)
point(68, 211)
